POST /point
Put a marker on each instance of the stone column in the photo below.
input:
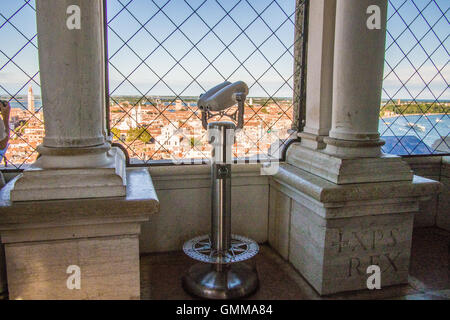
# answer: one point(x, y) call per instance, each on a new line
point(90, 222)
point(319, 79)
point(344, 93)
point(358, 75)
point(76, 160)
point(72, 73)
point(338, 210)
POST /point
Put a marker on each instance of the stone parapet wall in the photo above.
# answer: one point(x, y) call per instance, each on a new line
point(436, 211)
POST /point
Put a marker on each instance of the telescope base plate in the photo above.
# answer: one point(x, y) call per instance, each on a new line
point(217, 281)
point(241, 249)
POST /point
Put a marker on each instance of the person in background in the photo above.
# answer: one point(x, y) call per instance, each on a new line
point(5, 108)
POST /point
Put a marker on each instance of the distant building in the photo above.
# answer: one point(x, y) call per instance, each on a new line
point(137, 115)
point(169, 137)
point(178, 105)
point(30, 105)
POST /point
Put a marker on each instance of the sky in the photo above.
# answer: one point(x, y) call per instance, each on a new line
point(161, 17)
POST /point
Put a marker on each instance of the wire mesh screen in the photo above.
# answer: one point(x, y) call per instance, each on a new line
point(19, 80)
point(164, 54)
point(414, 117)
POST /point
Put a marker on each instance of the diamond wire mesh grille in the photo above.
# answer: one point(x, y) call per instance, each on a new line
point(19, 71)
point(164, 54)
point(416, 73)
point(414, 116)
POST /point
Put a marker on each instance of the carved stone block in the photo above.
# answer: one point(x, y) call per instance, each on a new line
point(334, 255)
point(50, 243)
point(109, 269)
point(335, 232)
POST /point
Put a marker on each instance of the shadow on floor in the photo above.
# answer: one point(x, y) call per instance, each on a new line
point(429, 274)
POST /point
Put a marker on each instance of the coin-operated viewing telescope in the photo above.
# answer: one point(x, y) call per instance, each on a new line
point(222, 273)
point(220, 98)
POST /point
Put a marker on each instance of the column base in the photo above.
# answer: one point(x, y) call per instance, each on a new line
point(43, 239)
point(341, 170)
point(353, 148)
point(95, 173)
point(332, 233)
point(312, 141)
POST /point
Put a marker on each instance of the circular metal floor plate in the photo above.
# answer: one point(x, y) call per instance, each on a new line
point(242, 248)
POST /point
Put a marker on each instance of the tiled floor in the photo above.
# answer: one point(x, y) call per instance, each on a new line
point(429, 274)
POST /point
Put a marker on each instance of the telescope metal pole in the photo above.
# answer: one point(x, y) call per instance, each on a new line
point(222, 134)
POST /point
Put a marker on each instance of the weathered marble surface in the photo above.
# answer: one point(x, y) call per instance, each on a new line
point(341, 170)
point(327, 192)
point(280, 207)
point(357, 80)
point(77, 179)
point(3, 284)
point(101, 236)
point(140, 199)
point(335, 258)
point(434, 212)
point(430, 168)
point(72, 73)
point(335, 231)
point(319, 91)
point(443, 214)
point(109, 268)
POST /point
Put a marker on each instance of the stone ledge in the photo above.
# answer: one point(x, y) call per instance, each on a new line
point(347, 171)
point(140, 201)
point(333, 195)
point(201, 170)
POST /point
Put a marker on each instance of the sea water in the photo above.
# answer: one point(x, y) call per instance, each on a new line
point(411, 130)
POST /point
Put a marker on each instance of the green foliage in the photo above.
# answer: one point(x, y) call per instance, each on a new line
point(21, 128)
point(194, 142)
point(415, 108)
point(139, 133)
point(116, 133)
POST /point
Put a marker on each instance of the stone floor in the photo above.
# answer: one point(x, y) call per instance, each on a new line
point(429, 274)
